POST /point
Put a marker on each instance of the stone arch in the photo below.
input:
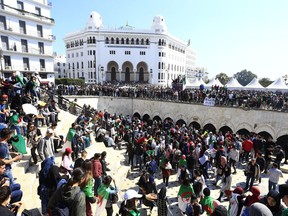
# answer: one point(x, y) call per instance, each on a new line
point(243, 131)
point(209, 127)
point(195, 125)
point(136, 114)
point(142, 73)
point(265, 128)
point(227, 124)
point(245, 125)
point(180, 116)
point(145, 117)
point(282, 132)
point(157, 118)
point(180, 122)
point(209, 121)
point(112, 71)
point(127, 72)
point(282, 140)
point(265, 134)
point(225, 129)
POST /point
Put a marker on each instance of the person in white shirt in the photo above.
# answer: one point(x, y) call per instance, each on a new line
point(233, 156)
point(274, 174)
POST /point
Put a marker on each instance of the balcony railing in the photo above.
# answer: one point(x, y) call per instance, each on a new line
point(30, 50)
point(26, 13)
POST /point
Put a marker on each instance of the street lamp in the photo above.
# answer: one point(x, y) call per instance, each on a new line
point(151, 75)
point(1, 57)
point(285, 78)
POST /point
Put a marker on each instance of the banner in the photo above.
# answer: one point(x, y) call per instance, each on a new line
point(209, 101)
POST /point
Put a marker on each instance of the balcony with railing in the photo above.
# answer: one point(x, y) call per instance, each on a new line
point(29, 33)
point(27, 14)
point(27, 50)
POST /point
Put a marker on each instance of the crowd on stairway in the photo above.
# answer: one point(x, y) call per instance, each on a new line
point(267, 100)
point(201, 160)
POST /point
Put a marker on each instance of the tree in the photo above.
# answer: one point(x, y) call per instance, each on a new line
point(265, 82)
point(244, 77)
point(223, 78)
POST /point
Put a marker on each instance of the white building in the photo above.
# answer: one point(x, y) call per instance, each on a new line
point(126, 54)
point(60, 66)
point(26, 37)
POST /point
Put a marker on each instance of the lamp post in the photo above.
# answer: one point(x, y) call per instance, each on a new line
point(102, 74)
point(95, 66)
point(285, 78)
point(151, 75)
point(98, 75)
point(1, 65)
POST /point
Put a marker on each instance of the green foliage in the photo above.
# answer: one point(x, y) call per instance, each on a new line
point(69, 81)
point(244, 77)
point(265, 82)
point(223, 78)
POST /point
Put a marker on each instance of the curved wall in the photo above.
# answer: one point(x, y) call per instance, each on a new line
point(275, 123)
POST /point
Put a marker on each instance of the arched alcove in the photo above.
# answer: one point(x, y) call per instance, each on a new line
point(136, 114)
point(195, 125)
point(209, 128)
point(282, 140)
point(243, 131)
point(180, 122)
point(146, 117)
point(225, 129)
point(157, 118)
point(265, 134)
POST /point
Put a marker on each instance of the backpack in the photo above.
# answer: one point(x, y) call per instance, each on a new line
point(61, 208)
point(152, 167)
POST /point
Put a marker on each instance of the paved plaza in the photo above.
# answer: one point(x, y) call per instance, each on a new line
point(124, 177)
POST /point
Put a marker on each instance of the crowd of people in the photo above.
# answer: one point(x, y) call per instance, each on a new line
point(196, 157)
point(267, 100)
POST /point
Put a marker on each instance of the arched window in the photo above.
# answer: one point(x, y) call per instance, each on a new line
point(137, 41)
point(127, 74)
point(107, 40)
point(113, 74)
point(141, 75)
point(122, 40)
point(94, 40)
point(142, 41)
point(117, 40)
point(159, 65)
point(162, 66)
point(132, 41)
point(127, 41)
point(159, 42)
point(147, 42)
point(112, 40)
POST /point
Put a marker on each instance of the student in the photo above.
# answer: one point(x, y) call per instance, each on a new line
point(274, 174)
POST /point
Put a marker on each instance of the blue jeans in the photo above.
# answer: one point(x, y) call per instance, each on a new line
point(9, 175)
point(97, 183)
point(138, 159)
point(17, 128)
point(272, 186)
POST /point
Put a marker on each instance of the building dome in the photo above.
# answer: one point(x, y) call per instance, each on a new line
point(159, 24)
point(94, 21)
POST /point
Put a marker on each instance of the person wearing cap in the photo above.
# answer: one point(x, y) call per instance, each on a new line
point(46, 146)
point(274, 174)
point(128, 206)
point(67, 161)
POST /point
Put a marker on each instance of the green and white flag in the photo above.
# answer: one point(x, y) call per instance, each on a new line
point(103, 195)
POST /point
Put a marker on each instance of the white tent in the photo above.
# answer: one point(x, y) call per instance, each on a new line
point(195, 83)
point(213, 82)
point(254, 85)
point(277, 85)
point(233, 84)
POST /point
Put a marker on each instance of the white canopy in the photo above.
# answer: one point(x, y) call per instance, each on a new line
point(277, 85)
point(213, 82)
point(233, 84)
point(254, 85)
point(195, 84)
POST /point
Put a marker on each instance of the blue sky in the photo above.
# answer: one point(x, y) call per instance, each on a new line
point(227, 35)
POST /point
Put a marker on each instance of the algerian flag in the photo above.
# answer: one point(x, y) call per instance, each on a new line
point(103, 195)
point(184, 196)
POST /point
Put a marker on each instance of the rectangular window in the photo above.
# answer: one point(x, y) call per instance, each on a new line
point(26, 63)
point(20, 5)
point(5, 42)
point(38, 10)
point(3, 23)
point(41, 47)
point(24, 45)
point(42, 64)
point(7, 62)
point(77, 54)
point(81, 53)
point(58, 63)
point(72, 55)
point(39, 31)
point(82, 65)
point(1, 4)
point(68, 55)
point(22, 27)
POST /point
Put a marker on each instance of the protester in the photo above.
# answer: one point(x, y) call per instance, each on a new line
point(128, 206)
point(273, 201)
point(274, 174)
